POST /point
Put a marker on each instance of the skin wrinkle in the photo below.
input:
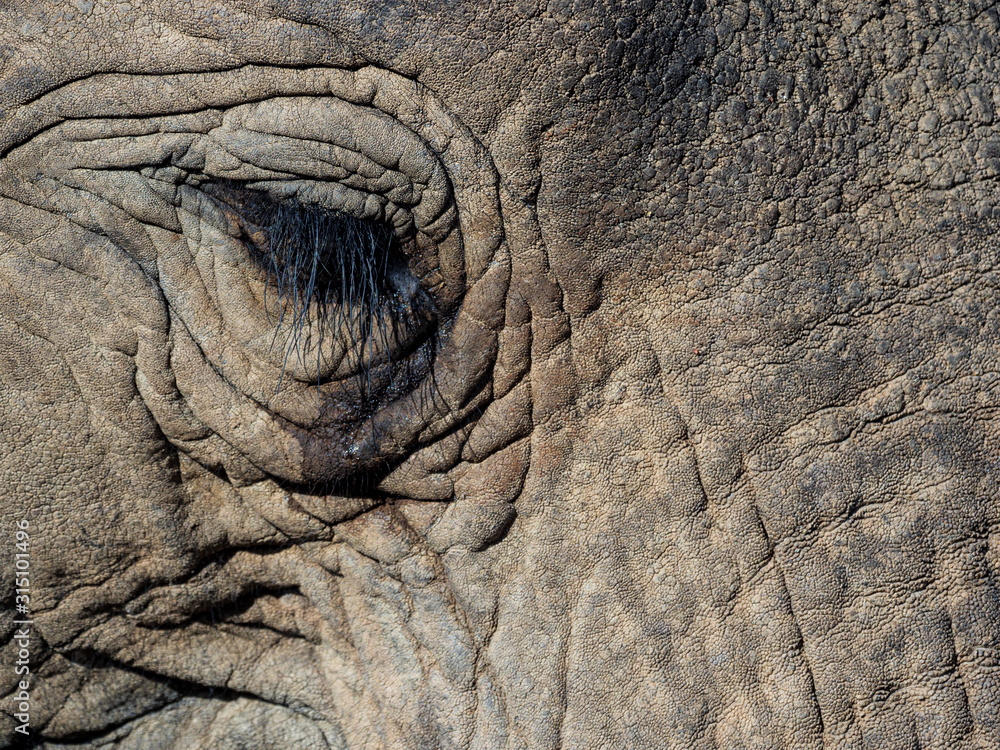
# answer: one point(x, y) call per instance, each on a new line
point(763, 228)
point(227, 683)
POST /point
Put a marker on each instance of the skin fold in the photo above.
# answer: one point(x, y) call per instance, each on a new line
point(677, 429)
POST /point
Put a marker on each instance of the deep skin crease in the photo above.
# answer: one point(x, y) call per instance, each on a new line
point(702, 455)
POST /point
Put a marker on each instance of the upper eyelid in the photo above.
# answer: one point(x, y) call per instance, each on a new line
point(200, 156)
point(267, 151)
point(355, 138)
point(336, 196)
point(172, 160)
point(158, 161)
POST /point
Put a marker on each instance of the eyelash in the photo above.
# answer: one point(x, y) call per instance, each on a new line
point(312, 252)
point(316, 256)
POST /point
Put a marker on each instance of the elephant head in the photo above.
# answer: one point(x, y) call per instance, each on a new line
point(433, 374)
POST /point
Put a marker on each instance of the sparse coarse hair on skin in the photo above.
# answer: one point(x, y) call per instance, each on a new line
point(323, 262)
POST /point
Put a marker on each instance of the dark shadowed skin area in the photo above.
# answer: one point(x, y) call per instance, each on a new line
point(661, 414)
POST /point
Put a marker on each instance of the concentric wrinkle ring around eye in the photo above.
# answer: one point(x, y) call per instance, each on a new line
point(366, 143)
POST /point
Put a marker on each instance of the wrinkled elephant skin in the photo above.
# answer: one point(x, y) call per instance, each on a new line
point(500, 375)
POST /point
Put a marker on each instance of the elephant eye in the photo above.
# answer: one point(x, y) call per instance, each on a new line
point(330, 273)
point(326, 272)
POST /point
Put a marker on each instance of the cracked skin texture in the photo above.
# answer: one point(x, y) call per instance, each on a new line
point(709, 460)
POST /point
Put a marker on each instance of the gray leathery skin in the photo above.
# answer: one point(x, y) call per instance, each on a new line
point(703, 451)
